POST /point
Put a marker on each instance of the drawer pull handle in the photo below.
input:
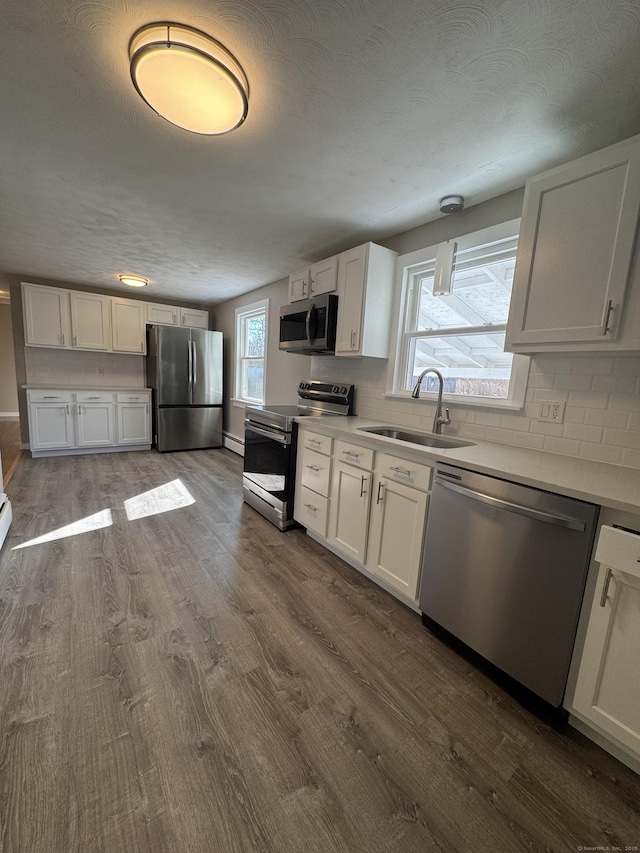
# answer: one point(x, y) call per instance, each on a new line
point(313, 467)
point(363, 481)
point(94, 398)
point(608, 308)
point(605, 588)
point(79, 410)
point(380, 489)
point(311, 507)
point(351, 453)
point(314, 441)
point(49, 398)
point(404, 471)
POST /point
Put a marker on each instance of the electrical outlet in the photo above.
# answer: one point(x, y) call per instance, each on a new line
point(551, 411)
point(100, 371)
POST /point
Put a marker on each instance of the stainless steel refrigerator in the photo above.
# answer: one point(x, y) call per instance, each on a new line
point(184, 370)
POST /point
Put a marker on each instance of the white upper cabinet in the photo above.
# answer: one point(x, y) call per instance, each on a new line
point(128, 318)
point(163, 315)
point(321, 277)
point(575, 255)
point(90, 321)
point(365, 291)
point(194, 318)
point(173, 315)
point(47, 322)
point(74, 319)
point(299, 285)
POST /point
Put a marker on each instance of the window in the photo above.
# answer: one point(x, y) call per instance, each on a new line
point(251, 351)
point(454, 318)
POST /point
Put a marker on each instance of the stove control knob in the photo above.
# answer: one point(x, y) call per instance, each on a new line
point(343, 390)
point(335, 390)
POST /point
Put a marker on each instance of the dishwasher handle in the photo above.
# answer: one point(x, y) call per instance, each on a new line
point(508, 506)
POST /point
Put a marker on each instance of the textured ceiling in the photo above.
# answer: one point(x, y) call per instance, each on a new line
point(362, 114)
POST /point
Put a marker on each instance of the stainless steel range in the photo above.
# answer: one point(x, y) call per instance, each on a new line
point(270, 446)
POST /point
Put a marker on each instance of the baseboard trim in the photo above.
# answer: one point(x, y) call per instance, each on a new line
point(9, 414)
point(25, 445)
point(233, 443)
point(84, 451)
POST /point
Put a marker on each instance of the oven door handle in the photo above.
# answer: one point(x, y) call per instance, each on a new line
point(307, 323)
point(274, 436)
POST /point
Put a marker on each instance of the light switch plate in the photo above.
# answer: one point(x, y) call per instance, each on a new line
point(551, 411)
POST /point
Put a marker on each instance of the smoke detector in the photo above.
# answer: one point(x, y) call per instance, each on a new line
point(451, 204)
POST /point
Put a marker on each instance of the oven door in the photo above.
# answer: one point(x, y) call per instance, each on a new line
point(268, 477)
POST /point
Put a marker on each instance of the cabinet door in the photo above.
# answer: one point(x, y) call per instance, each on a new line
point(575, 250)
point(50, 426)
point(164, 315)
point(349, 510)
point(396, 531)
point(608, 688)
point(323, 277)
point(194, 318)
point(46, 316)
point(128, 319)
point(134, 426)
point(95, 425)
point(90, 321)
point(299, 285)
point(352, 267)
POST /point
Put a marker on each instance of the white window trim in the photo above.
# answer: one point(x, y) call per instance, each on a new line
point(237, 399)
point(395, 378)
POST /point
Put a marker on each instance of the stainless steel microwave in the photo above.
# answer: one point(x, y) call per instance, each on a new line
point(309, 326)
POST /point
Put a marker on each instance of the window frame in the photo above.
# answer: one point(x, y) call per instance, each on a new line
point(405, 266)
point(241, 315)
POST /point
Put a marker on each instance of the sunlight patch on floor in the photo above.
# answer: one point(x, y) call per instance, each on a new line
point(164, 498)
point(84, 525)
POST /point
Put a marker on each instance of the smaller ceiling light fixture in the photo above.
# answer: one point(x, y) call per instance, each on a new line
point(189, 78)
point(134, 280)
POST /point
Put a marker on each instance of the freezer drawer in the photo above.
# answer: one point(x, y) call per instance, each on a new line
point(188, 428)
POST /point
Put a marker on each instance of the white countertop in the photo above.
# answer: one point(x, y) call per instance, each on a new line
point(62, 386)
point(598, 482)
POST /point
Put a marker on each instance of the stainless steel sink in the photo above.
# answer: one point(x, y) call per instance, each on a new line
point(425, 438)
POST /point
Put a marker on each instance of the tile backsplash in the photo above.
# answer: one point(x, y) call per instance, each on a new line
point(83, 369)
point(601, 395)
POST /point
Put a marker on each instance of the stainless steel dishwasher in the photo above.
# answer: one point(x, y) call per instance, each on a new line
point(504, 568)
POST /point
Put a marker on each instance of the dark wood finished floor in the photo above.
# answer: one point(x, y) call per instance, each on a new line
point(9, 446)
point(197, 682)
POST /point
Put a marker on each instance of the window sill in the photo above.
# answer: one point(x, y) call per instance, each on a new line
point(449, 400)
point(242, 404)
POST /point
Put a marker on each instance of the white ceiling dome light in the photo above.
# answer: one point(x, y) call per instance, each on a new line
point(134, 280)
point(188, 78)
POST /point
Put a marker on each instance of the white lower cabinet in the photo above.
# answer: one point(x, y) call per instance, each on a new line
point(349, 510)
point(134, 426)
point(368, 506)
point(51, 426)
point(396, 531)
point(607, 691)
point(95, 424)
point(77, 421)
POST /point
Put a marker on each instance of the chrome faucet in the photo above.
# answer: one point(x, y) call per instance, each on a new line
point(438, 419)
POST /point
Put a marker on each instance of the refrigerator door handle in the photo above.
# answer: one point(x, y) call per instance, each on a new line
point(194, 365)
point(190, 368)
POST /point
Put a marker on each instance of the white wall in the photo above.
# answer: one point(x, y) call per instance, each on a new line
point(8, 384)
point(285, 371)
point(602, 395)
point(83, 369)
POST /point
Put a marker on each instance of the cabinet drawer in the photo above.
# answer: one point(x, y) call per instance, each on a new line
point(354, 454)
point(93, 397)
point(314, 471)
point(49, 396)
point(619, 549)
point(312, 510)
point(403, 471)
point(134, 397)
point(317, 442)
